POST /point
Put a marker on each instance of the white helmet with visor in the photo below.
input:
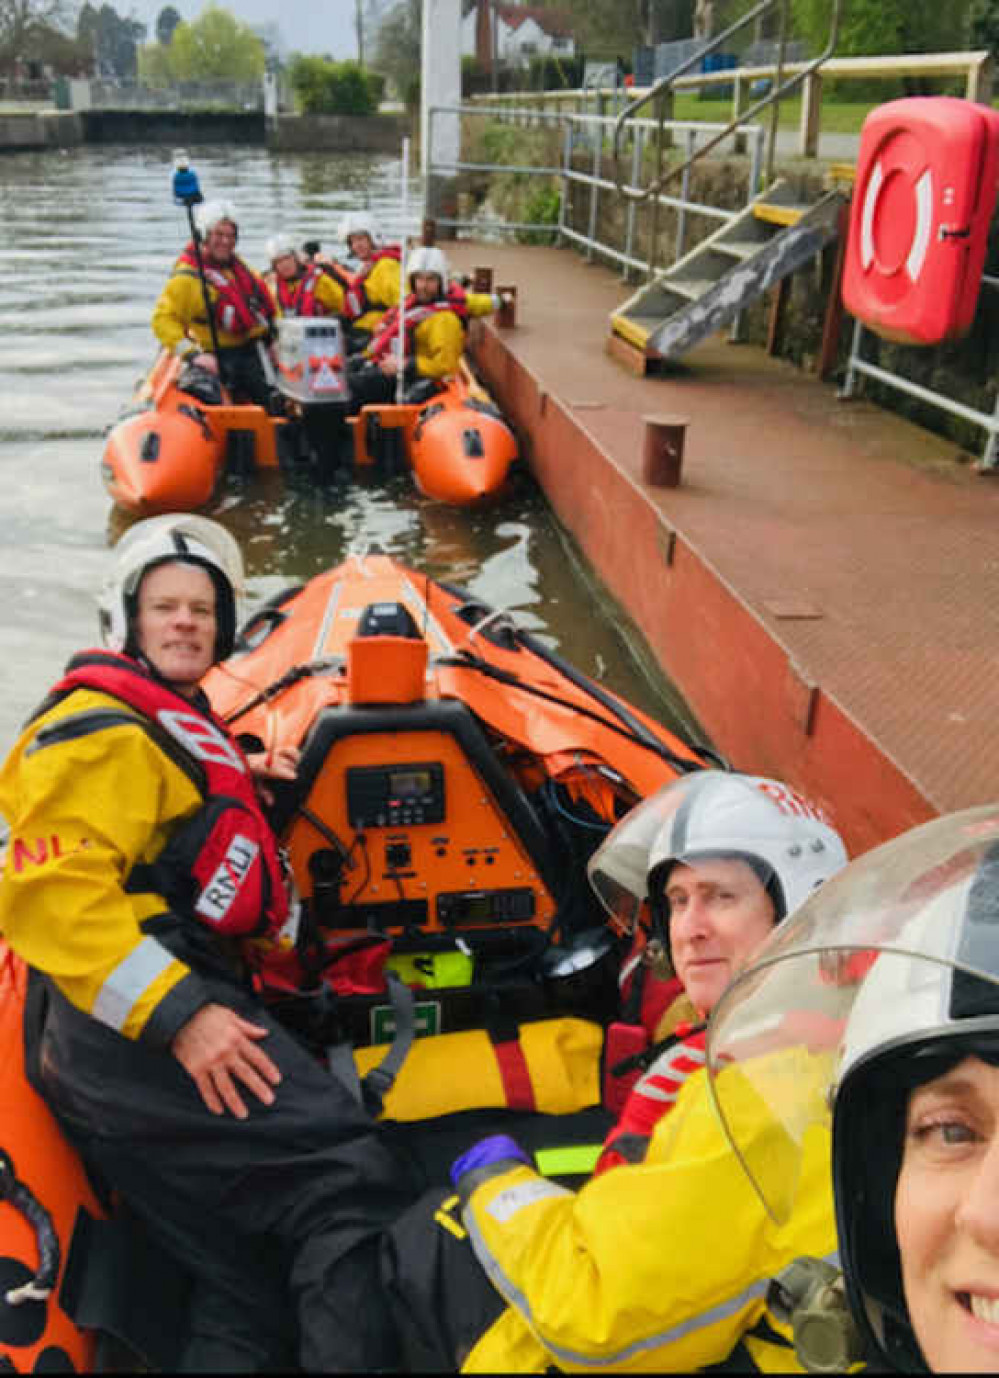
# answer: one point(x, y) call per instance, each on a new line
point(212, 213)
point(175, 538)
point(886, 979)
point(712, 815)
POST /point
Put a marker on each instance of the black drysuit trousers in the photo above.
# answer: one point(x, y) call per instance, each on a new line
point(304, 1186)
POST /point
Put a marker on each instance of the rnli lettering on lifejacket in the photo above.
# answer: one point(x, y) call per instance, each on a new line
point(218, 896)
point(201, 738)
point(924, 195)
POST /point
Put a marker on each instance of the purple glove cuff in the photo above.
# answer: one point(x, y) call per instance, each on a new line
point(497, 1148)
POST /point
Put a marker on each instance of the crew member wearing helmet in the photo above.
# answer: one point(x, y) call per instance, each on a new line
point(661, 1264)
point(899, 958)
point(299, 288)
point(374, 283)
point(142, 878)
point(435, 316)
point(242, 308)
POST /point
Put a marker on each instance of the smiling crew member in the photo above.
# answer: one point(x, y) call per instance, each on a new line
point(662, 1263)
point(241, 305)
point(300, 288)
point(141, 879)
point(905, 954)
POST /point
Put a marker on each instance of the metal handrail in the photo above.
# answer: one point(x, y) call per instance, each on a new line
point(780, 89)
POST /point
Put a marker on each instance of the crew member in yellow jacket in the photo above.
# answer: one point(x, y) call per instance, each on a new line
point(141, 878)
point(435, 317)
point(375, 285)
point(242, 308)
point(297, 287)
point(661, 1264)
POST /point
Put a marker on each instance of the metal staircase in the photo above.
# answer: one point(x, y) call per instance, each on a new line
point(770, 239)
point(707, 288)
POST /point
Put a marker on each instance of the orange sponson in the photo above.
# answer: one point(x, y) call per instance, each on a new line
point(35, 1336)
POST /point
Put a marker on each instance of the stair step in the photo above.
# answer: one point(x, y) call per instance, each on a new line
point(692, 288)
point(739, 248)
point(775, 214)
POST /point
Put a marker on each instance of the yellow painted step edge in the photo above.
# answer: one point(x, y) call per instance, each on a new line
point(629, 331)
point(777, 215)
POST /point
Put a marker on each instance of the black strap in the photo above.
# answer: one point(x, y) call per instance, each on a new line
point(22, 1198)
point(647, 1056)
point(380, 1080)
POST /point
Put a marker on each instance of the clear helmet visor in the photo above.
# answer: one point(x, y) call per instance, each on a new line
point(618, 869)
point(900, 947)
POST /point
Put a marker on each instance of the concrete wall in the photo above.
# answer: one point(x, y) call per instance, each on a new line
point(338, 133)
point(171, 127)
point(40, 129)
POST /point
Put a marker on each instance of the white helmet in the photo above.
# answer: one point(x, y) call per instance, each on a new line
point(885, 980)
point(212, 213)
point(186, 539)
point(425, 259)
point(279, 245)
point(357, 222)
point(713, 814)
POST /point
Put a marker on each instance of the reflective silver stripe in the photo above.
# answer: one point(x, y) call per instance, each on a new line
point(701, 1321)
point(130, 979)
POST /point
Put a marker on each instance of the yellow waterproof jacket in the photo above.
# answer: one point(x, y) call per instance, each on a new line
point(179, 320)
point(662, 1266)
point(381, 287)
point(440, 343)
point(86, 803)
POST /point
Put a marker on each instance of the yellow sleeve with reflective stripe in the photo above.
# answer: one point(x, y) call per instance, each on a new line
point(440, 343)
point(83, 812)
point(659, 1266)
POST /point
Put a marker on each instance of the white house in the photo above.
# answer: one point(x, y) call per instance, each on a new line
point(516, 32)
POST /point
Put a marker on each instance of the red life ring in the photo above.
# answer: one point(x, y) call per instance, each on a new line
point(925, 193)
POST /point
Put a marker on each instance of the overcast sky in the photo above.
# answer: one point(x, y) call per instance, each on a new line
point(307, 26)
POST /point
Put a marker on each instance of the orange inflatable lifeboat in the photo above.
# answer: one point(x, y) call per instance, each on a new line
point(170, 450)
point(42, 1189)
point(922, 204)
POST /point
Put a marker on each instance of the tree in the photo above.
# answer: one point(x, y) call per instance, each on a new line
point(984, 25)
point(333, 88)
point(397, 47)
point(215, 47)
point(166, 21)
point(886, 26)
point(23, 23)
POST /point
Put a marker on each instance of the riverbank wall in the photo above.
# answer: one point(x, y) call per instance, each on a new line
point(43, 129)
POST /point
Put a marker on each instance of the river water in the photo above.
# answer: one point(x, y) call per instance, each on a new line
point(86, 241)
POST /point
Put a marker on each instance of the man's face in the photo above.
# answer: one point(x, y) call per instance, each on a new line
point(176, 625)
point(426, 286)
point(286, 266)
point(719, 914)
point(220, 243)
point(361, 245)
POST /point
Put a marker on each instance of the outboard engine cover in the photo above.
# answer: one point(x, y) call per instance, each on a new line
point(311, 360)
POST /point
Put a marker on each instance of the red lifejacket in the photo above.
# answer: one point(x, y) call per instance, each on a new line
point(454, 300)
point(653, 1097)
point(222, 865)
point(355, 297)
point(242, 301)
point(297, 297)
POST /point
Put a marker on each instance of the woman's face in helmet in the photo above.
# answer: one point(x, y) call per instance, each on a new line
point(947, 1218)
point(719, 914)
point(286, 266)
point(361, 245)
point(175, 626)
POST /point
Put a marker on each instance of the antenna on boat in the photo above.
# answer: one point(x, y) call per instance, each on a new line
point(400, 381)
point(187, 193)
